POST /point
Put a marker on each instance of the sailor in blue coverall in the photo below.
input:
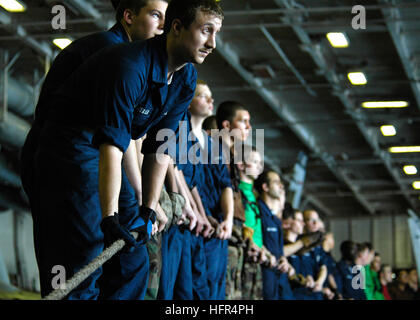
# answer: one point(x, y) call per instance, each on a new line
point(125, 282)
point(176, 276)
point(118, 94)
point(275, 283)
point(213, 179)
point(200, 289)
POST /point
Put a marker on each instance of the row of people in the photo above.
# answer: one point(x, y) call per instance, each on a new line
point(94, 171)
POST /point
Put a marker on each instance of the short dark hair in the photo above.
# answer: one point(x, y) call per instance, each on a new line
point(262, 178)
point(209, 123)
point(227, 111)
point(186, 11)
point(134, 5)
point(115, 3)
point(288, 211)
point(349, 250)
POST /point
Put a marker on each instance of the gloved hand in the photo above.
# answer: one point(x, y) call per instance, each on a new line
point(144, 224)
point(113, 231)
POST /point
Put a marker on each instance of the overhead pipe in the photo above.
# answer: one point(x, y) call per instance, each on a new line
point(20, 96)
point(8, 176)
point(13, 131)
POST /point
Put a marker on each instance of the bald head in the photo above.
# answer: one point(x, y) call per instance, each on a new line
point(312, 221)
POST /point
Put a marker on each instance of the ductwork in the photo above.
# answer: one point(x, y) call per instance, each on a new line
point(20, 97)
point(13, 131)
point(7, 176)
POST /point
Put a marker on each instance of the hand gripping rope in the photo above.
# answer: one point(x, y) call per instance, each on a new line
point(85, 272)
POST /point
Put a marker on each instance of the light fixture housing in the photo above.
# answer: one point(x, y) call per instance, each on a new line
point(410, 170)
point(338, 39)
point(385, 104)
point(357, 78)
point(13, 5)
point(388, 130)
point(405, 149)
point(62, 42)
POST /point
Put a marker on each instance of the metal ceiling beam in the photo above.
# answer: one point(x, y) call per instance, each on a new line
point(20, 32)
point(363, 162)
point(303, 10)
point(286, 60)
point(283, 111)
point(340, 90)
point(401, 42)
point(88, 10)
point(370, 194)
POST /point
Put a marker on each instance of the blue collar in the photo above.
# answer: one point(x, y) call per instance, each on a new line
point(119, 31)
point(160, 65)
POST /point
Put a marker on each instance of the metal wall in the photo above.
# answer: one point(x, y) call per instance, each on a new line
point(17, 249)
point(389, 235)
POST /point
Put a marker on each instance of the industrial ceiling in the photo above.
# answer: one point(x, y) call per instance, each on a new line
point(274, 57)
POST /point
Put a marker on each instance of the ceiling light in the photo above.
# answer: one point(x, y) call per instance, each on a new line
point(13, 5)
point(416, 185)
point(357, 78)
point(388, 130)
point(404, 149)
point(62, 42)
point(409, 170)
point(385, 104)
point(338, 39)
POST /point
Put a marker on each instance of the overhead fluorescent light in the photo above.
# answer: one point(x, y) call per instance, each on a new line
point(338, 39)
point(62, 42)
point(416, 185)
point(357, 78)
point(388, 130)
point(13, 5)
point(410, 170)
point(385, 104)
point(404, 149)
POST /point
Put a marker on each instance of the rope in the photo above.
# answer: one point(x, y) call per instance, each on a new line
point(85, 272)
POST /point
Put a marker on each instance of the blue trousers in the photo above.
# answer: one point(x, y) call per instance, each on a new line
point(275, 285)
point(176, 279)
point(216, 251)
point(67, 216)
point(199, 270)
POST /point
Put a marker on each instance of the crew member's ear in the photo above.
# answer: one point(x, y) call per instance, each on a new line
point(226, 124)
point(128, 16)
point(265, 187)
point(176, 27)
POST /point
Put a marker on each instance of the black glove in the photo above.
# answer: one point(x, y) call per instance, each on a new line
point(145, 228)
point(113, 231)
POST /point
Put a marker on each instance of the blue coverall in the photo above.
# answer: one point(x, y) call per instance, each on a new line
point(213, 179)
point(118, 94)
point(276, 285)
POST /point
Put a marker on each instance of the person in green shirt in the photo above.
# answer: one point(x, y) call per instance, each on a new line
point(250, 167)
point(373, 287)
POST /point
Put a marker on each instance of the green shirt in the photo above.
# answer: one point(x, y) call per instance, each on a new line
point(252, 213)
point(373, 287)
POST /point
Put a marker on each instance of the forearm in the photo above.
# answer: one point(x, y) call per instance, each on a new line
point(131, 168)
point(140, 156)
point(181, 188)
point(226, 202)
point(110, 158)
point(171, 183)
point(292, 248)
point(322, 275)
point(153, 172)
point(199, 203)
